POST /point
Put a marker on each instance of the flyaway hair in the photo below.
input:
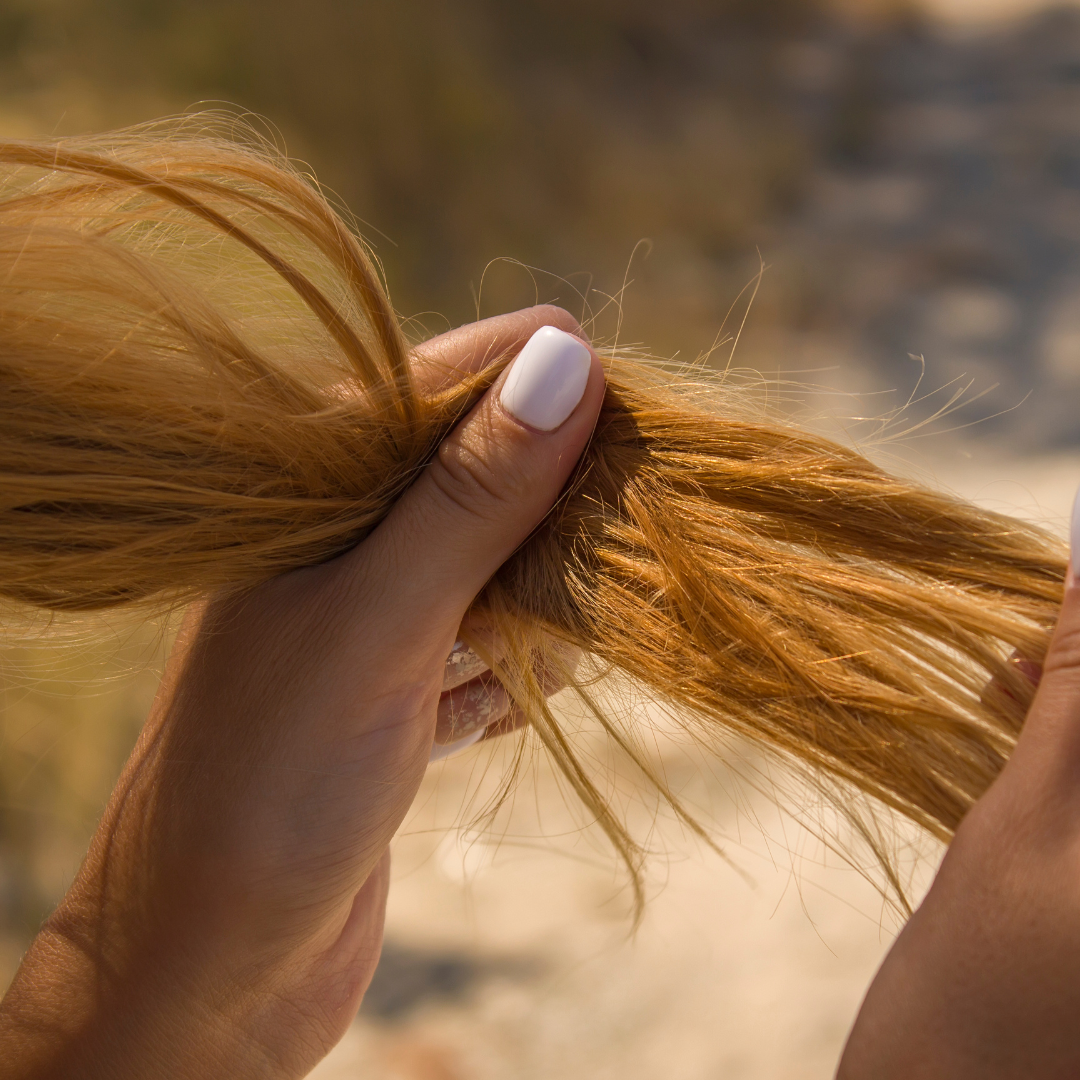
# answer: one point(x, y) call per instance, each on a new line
point(203, 384)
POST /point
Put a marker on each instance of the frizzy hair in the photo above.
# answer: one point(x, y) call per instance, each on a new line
point(203, 384)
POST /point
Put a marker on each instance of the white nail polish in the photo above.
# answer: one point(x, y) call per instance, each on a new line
point(461, 665)
point(547, 379)
point(444, 750)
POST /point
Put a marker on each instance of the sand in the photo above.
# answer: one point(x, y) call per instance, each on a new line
point(510, 952)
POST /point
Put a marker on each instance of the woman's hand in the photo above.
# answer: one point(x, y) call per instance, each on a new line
point(229, 915)
point(984, 981)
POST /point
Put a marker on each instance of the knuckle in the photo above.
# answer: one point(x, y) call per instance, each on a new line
point(474, 481)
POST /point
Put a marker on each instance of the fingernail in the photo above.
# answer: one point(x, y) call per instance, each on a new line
point(547, 379)
point(461, 665)
point(1074, 541)
point(444, 750)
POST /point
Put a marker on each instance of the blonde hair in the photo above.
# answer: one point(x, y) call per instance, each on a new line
point(203, 384)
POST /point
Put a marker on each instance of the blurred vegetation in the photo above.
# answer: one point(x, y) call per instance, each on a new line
point(69, 714)
point(555, 132)
point(552, 132)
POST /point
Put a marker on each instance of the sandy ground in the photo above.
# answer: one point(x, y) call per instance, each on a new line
point(510, 952)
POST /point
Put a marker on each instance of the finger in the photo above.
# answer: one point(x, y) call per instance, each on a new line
point(1050, 738)
point(491, 482)
point(484, 708)
point(445, 750)
point(471, 707)
point(462, 665)
point(444, 360)
point(998, 690)
point(555, 676)
point(464, 662)
point(480, 702)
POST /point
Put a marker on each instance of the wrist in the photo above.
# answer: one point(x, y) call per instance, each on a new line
point(89, 1003)
point(75, 1010)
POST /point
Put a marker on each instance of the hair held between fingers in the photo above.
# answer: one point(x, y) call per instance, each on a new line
point(203, 384)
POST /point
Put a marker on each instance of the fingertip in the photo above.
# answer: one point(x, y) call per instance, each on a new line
point(441, 751)
point(554, 315)
point(547, 379)
point(446, 358)
point(494, 478)
point(1062, 662)
point(1074, 542)
point(1074, 527)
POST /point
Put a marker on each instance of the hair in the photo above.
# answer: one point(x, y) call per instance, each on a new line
point(203, 384)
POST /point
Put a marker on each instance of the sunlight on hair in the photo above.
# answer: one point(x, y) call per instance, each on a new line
point(204, 384)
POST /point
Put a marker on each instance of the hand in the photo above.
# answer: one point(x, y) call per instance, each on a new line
point(984, 981)
point(229, 915)
point(474, 705)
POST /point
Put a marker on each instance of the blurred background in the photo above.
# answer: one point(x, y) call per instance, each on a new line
point(907, 172)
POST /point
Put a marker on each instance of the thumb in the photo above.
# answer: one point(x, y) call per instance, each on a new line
point(1051, 732)
point(493, 478)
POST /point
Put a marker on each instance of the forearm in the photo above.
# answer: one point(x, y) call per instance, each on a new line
point(47, 1011)
point(114, 987)
point(114, 984)
point(70, 1014)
